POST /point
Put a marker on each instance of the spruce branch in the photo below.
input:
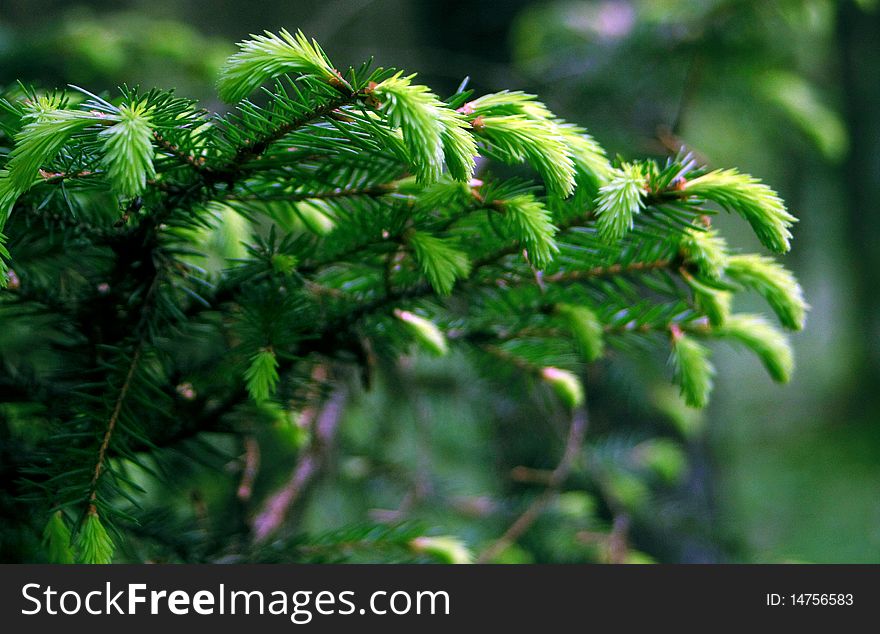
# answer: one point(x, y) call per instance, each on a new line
point(373, 191)
point(707, 250)
point(264, 57)
point(262, 375)
point(431, 130)
point(128, 150)
point(187, 159)
point(530, 223)
point(441, 262)
point(46, 130)
point(586, 328)
point(93, 542)
point(693, 370)
point(103, 450)
point(58, 540)
point(776, 284)
point(60, 177)
point(750, 198)
point(201, 265)
point(611, 270)
point(588, 158)
point(769, 344)
point(252, 149)
point(619, 201)
point(518, 138)
point(713, 302)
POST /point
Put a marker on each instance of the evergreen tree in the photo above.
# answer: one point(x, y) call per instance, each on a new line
point(173, 275)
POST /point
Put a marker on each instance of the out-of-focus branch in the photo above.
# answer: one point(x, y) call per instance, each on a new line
point(271, 517)
point(251, 467)
point(618, 540)
point(525, 521)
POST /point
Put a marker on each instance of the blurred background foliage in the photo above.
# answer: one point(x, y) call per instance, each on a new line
point(785, 90)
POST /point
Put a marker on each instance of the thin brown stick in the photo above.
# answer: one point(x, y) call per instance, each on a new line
point(58, 177)
point(605, 271)
point(522, 523)
point(196, 162)
point(277, 507)
point(253, 149)
point(111, 426)
point(250, 470)
point(618, 539)
point(370, 192)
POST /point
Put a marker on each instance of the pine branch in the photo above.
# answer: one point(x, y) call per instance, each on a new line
point(610, 271)
point(201, 265)
point(111, 427)
point(266, 56)
point(371, 192)
point(189, 160)
point(253, 148)
point(60, 177)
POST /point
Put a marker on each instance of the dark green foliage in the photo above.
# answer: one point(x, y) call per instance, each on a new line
point(202, 275)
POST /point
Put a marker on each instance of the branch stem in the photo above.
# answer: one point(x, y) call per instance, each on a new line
point(533, 512)
point(111, 425)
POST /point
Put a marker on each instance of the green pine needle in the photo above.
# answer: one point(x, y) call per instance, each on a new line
point(588, 156)
point(775, 283)
point(459, 146)
point(261, 376)
point(750, 198)
point(45, 132)
point(713, 302)
point(586, 329)
point(128, 150)
point(518, 138)
point(93, 543)
point(531, 224)
point(693, 369)
point(266, 56)
point(619, 201)
point(566, 385)
point(506, 102)
point(425, 331)
point(57, 540)
point(431, 130)
point(441, 263)
point(767, 342)
point(707, 250)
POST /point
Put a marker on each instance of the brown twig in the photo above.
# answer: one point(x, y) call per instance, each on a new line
point(253, 149)
point(618, 539)
point(324, 427)
point(369, 192)
point(58, 177)
point(111, 426)
point(606, 271)
point(196, 162)
point(522, 523)
point(251, 467)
